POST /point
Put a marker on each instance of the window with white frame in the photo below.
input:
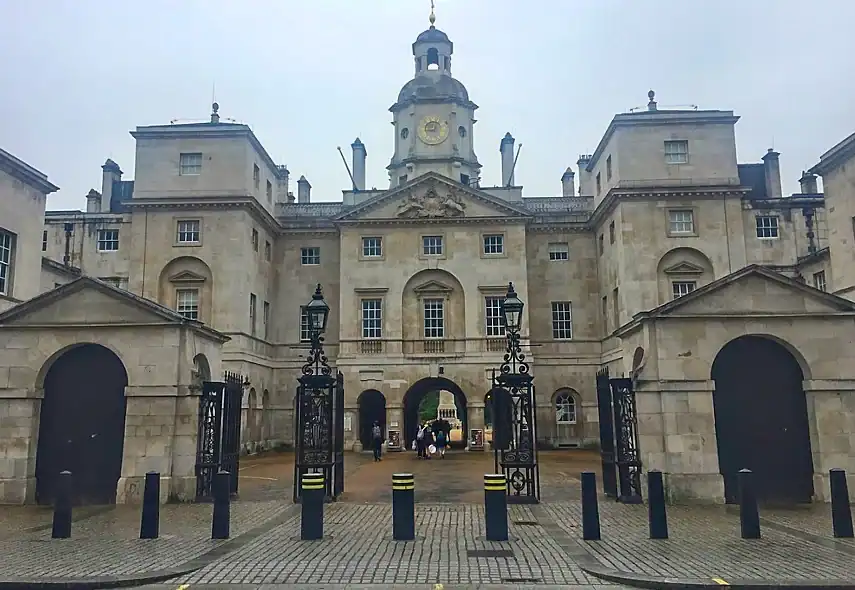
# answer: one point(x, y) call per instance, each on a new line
point(680, 288)
point(7, 245)
point(434, 318)
point(819, 280)
point(559, 251)
point(372, 318)
point(677, 152)
point(108, 240)
point(681, 221)
point(305, 327)
point(190, 164)
point(432, 245)
point(562, 320)
point(372, 247)
point(494, 244)
point(188, 231)
point(493, 317)
point(187, 303)
point(310, 255)
point(767, 226)
point(565, 408)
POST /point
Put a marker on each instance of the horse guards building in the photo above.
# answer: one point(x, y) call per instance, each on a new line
point(730, 304)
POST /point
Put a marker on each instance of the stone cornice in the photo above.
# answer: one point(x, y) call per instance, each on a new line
point(787, 203)
point(26, 173)
point(434, 221)
point(835, 156)
point(247, 203)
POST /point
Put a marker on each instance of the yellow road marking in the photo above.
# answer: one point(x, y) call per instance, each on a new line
point(718, 581)
point(183, 587)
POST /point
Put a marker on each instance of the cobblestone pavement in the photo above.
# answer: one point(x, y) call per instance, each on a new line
point(705, 544)
point(360, 586)
point(358, 549)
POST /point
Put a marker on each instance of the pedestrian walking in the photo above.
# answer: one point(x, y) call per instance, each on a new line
point(377, 440)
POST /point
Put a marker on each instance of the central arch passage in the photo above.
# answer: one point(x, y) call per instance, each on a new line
point(413, 399)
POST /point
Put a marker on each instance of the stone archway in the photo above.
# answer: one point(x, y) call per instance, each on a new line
point(416, 393)
point(761, 420)
point(565, 405)
point(371, 406)
point(82, 425)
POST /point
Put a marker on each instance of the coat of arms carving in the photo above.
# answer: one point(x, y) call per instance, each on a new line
point(431, 204)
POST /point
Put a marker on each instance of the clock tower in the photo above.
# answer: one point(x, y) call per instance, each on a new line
point(433, 117)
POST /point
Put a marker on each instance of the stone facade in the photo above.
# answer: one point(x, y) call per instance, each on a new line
point(662, 241)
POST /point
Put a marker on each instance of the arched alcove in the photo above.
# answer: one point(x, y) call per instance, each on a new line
point(682, 270)
point(266, 417)
point(186, 284)
point(433, 310)
point(371, 406)
point(565, 405)
point(417, 392)
point(252, 416)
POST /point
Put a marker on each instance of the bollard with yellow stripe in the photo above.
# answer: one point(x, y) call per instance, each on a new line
point(312, 514)
point(403, 507)
point(496, 506)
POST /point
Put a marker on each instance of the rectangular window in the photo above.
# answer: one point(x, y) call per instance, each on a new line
point(612, 232)
point(310, 256)
point(464, 179)
point(602, 244)
point(190, 164)
point(494, 319)
point(269, 192)
point(562, 320)
point(305, 328)
point(265, 318)
point(434, 318)
point(819, 280)
point(681, 221)
point(252, 316)
point(188, 232)
point(114, 281)
point(372, 318)
point(108, 240)
point(615, 307)
point(402, 180)
point(7, 245)
point(680, 288)
point(599, 183)
point(559, 251)
point(677, 152)
point(767, 227)
point(187, 303)
point(44, 241)
point(432, 245)
point(255, 240)
point(372, 247)
point(256, 175)
point(605, 313)
point(267, 251)
point(494, 244)
point(609, 168)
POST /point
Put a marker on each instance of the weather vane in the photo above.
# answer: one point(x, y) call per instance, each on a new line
point(432, 14)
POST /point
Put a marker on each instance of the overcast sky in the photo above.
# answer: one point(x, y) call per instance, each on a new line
point(310, 75)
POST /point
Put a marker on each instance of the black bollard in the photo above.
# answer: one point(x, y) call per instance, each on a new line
point(62, 507)
point(590, 508)
point(749, 516)
point(150, 519)
point(656, 515)
point(841, 511)
point(312, 516)
point(403, 507)
point(220, 522)
point(496, 506)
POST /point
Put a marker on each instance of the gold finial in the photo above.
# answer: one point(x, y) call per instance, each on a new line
point(432, 14)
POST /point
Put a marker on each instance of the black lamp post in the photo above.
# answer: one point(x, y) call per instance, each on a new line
point(318, 312)
point(514, 420)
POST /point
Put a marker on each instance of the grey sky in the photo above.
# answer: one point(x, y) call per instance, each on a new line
point(309, 75)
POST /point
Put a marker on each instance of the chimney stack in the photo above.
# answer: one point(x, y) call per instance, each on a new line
point(584, 175)
point(359, 156)
point(506, 149)
point(93, 201)
point(111, 173)
point(568, 183)
point(282, 184)
point(772, 168)
point(808, 183)
point(304, 191)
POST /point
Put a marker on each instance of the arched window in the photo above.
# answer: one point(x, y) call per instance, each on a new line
point(432, 59)
point(565, 408)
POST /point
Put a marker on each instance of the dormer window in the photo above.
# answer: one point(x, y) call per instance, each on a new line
point(432, 59)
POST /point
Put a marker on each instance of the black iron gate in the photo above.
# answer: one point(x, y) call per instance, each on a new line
point(218, 446)
point(319, 436)
point(619, 438)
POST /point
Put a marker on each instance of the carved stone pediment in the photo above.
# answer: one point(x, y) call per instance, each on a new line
point(684, 268)
point(186, 276)
point(436, 201)
point(432, 287)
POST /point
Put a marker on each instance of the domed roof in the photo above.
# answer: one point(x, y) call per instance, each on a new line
point(433, 86)
point(432, 35)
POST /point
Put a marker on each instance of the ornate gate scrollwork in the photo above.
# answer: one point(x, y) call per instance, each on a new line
point(218, 444)
point(619, 446)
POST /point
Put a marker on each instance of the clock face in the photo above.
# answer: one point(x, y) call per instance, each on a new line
point(433, 130)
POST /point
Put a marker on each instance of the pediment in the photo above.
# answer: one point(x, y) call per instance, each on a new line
point(432, 287)
point(432, 198)
point(186, 276)
point(754, 290)
point(684, 268)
